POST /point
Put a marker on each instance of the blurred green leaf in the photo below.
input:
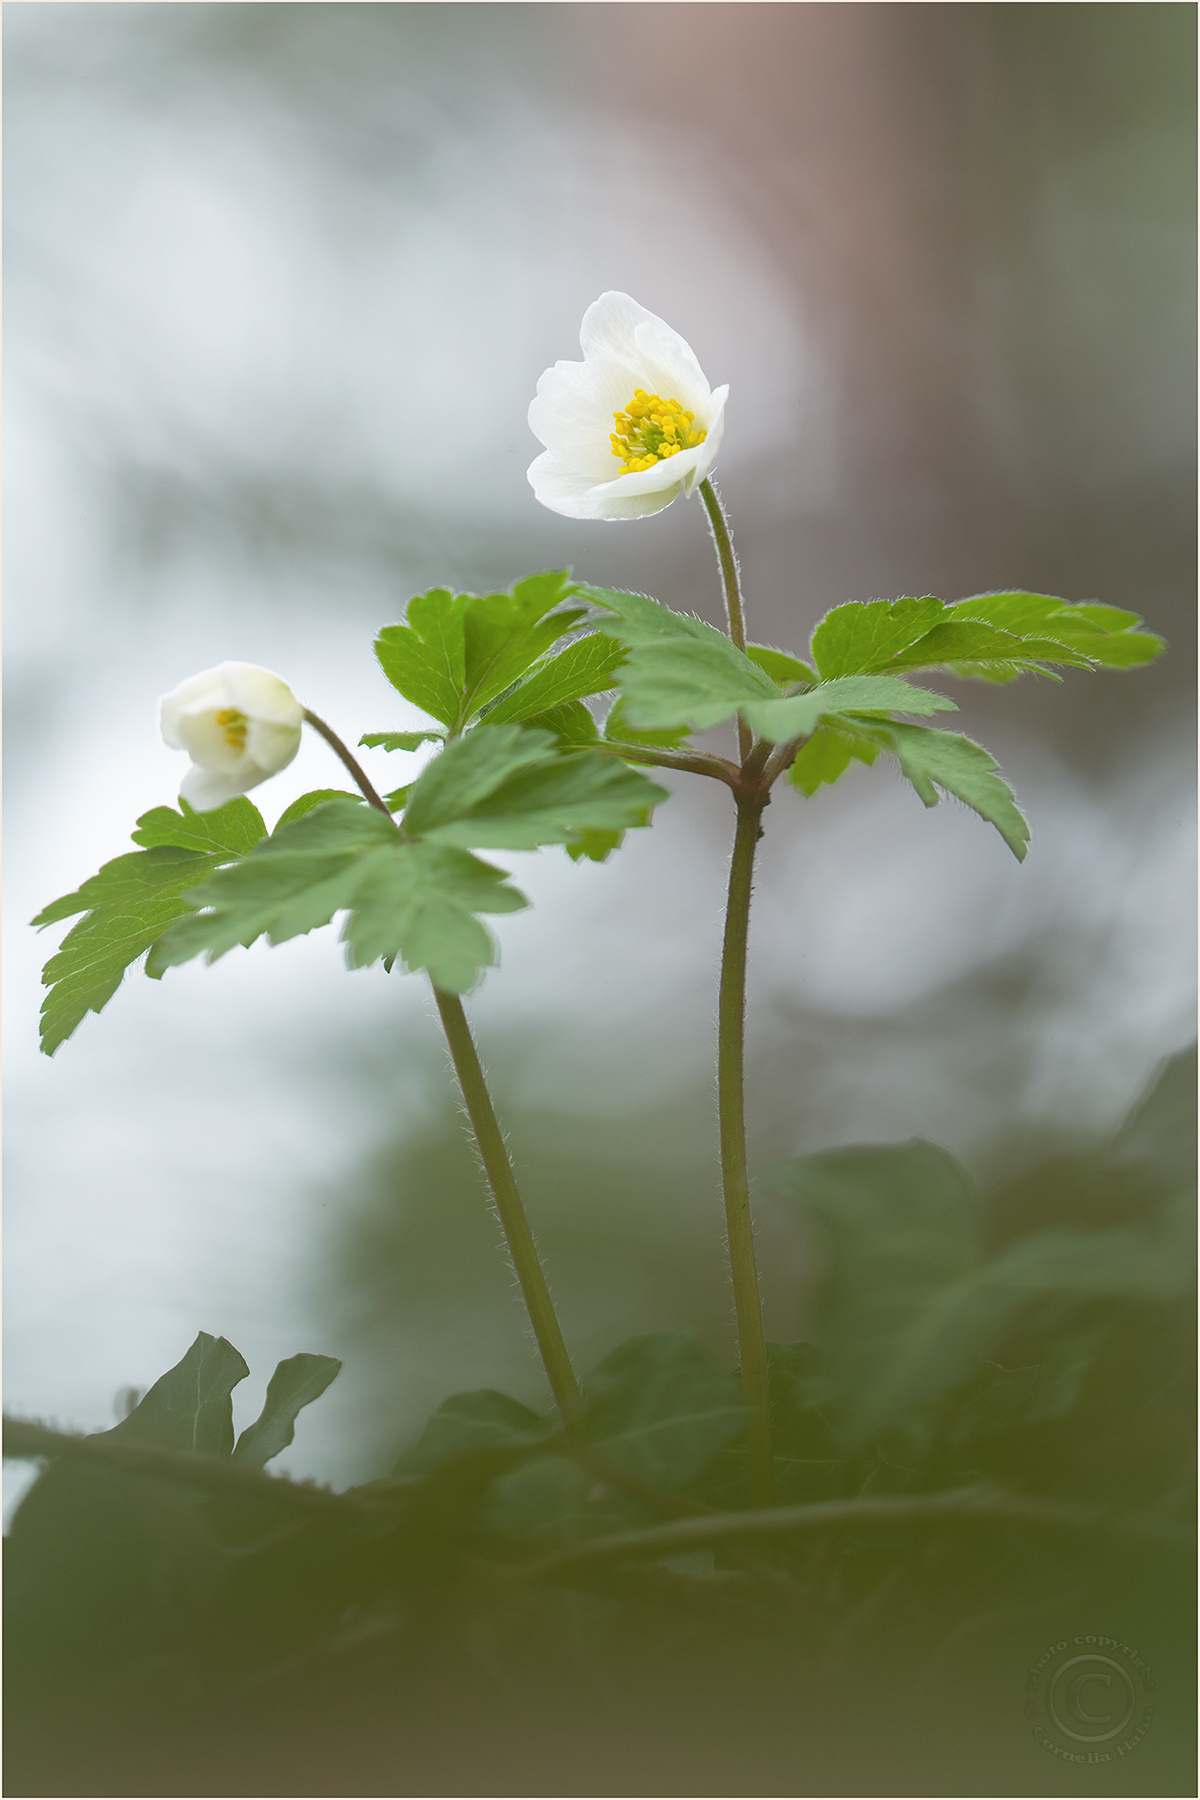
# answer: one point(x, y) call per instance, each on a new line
point(660, 1407)
point(414, 900)
point(595, 846)
point(190, 1407)
point(455, 652)
point(617, 729)
point(467, 1423)
point(910, 1305)
point(297, 1382)
point(571, 725)
point(400, 740)
point(309, 802)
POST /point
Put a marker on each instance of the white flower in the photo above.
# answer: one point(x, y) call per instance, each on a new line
point(238, 723)
point(632, 426)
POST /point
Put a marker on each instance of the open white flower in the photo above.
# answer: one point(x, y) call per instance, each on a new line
point(238, 723)
point(632, 426)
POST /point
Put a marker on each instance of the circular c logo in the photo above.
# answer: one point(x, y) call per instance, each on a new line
point(1091, 1699)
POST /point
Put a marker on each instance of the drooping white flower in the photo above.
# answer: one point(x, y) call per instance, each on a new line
point(238, 723)
point(632, 426)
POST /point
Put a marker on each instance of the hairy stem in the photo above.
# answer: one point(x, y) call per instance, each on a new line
point(734, 613)
point(351, 762)
point(502, 1182)
point(731, 1108)
point(497, 1167)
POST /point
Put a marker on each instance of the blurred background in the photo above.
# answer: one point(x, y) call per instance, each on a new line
point(280, 283)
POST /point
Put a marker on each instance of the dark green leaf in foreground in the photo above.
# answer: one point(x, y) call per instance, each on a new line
point(504, 787)
point(660, 1407)
point(295, 1384)
point(910, 1304)
point(130, 902)
point(455, 652)
point(190, 1407)
point(467, 1423)
point(418, 901)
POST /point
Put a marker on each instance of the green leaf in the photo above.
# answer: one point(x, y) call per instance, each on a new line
point(309, 802)
point(400, 740)
point(414, 900)
point(467, 1423)
point(680, 671)
point(618, 730)
point(505, 787)
point(780, 665)
point(660, 1407)
point(961, 641)
point(800, 714)
point(1108, 636)
point(295, 1384)
point(127, 906)
point(596, 846)
point(571, 725)
point(826, 756)
point(585, 667)
point(190, 1407)
point(234, 828)
point(909, 1304)
point(455, 652)
point(856, 638)
point(963, 768)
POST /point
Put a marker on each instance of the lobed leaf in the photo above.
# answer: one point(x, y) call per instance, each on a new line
point(826, 756)
point(932, 759)
point(455, 652)
point(780, 665)
point(680, 671)
point(413, 900)
point(799, 714)
point(400, 740)
point(130, 902)
point(856, 638)
point(586, 667)
point(296, 1383)
point(191, 1406)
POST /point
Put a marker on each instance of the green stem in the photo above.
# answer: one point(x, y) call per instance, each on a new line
point(731, 1108)
point(734, 612)
point(490, 1140)
point(503, 1184)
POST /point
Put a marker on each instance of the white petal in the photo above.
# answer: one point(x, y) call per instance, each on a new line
point(668, 366)
point(206, 741)
point(271, 746)
point(573, 412)
point(206, 789)
point(261, 694)
point(573, 494)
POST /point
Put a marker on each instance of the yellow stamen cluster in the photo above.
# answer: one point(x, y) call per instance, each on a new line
point(651, 429)
point(235, 725)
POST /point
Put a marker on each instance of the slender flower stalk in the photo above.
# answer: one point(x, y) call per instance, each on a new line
point(492, 1150)
point(752, 795)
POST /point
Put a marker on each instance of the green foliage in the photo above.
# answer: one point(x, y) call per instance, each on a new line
point(680, 671)
point(781, 666)
point(400, 740)
point(995, 637)
point(911, 1304)
point(826, 756)
point(309, 802)
point(588, 666)
point(296, 1383)
point(852, 696)
point(660, 1407)
point(129, 904)
point(405, 898)
point(191, 1406)
point(466, 1424)
point(505, 787)
point(456, 652)
point(960, 766)
point(618, 730)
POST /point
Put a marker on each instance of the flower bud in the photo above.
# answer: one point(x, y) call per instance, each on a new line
point(238, 723)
